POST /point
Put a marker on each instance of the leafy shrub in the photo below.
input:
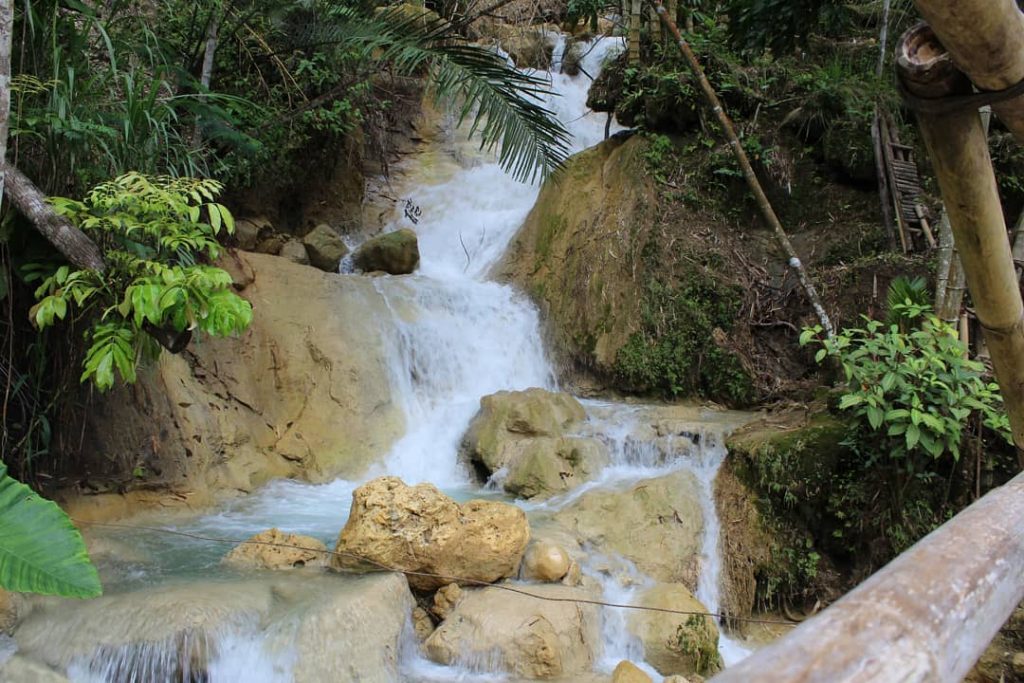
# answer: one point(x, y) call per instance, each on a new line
point(675, 353)
point(153, 232)
point(911, 391)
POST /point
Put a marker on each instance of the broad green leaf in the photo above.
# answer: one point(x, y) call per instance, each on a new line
point(40, 549)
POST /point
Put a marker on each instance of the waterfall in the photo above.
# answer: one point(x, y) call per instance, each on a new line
point(455, 337)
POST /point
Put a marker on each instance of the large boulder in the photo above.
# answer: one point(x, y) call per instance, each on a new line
point(325, 248)
point(352, 632)
point(575, 258)
point(522, 435)
point(657, 524)
point(274, 549)
point(397, 253)
point(519, 634)
point(419, 529)
point(675, 643)
point(230, 414)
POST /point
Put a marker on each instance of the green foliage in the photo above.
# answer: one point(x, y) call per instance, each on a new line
point(675, 353)
point(40, 549)
point(757, 25)
point(911, 392)
point(154, 231)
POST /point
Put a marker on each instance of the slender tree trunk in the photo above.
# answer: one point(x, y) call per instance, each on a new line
point(748, 172)
point(985, 39)
point(6, 28)
point(206, 75)
point(876, 136)
point(74, 244)
point(958, 146)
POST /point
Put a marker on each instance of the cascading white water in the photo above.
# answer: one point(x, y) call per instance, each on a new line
point(455, 338)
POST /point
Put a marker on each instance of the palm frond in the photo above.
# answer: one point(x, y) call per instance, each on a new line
point(505, 106)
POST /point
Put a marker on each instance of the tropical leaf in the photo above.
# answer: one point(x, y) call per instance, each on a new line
point(41, 551)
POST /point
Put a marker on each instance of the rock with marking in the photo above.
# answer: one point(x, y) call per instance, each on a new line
point(419, 529)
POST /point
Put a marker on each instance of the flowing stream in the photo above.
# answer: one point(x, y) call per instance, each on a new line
point(455, 337)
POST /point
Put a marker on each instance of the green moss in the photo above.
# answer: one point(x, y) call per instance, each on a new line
point(674, 353)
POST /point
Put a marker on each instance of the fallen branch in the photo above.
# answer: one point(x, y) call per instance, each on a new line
point(748, 172)
point(69, 240)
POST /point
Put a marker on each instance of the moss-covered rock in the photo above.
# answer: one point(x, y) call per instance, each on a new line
point(325, 248)
point(676, 643)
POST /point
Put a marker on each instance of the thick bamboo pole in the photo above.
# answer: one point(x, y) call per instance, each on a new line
point(926, 616)
point(767, 212)
point(633, 38)
point(958, 146)
point(985, 38)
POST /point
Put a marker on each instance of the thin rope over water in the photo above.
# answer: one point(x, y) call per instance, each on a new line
point(453, 579)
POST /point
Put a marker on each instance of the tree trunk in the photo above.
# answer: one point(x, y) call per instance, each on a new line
point(985, 39)
point(206, 76)
point(74, 244)
point(6, 28)
point(748, 172)
point(958, 146)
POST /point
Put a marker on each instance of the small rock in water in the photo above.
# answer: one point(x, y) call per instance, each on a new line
point(397, 253)
point(295, 251)
point(325, 248)
point(545, 562)
point(628, 672)
point(692, 678)
point(422, 624)
point(274, 549)
point(574, 576)
point(419, 529)
point(445, 600)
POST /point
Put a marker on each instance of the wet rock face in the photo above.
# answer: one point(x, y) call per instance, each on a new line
point(522, 635)
point(419, 529)
point(397, 253)
point(657, 524)
point(274, 549)
point(676, 643)
point(354, 633)
point(522, 435)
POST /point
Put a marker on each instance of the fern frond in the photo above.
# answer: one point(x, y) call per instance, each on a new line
point(504, 106)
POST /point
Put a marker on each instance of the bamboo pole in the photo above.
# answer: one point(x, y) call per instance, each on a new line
point(985, 39)
point(958, 146)
point(634, 32)
point(926, 616)
point(748, 172)
point(655, 28)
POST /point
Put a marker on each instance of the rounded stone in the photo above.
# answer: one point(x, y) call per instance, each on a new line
point(545, 562)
